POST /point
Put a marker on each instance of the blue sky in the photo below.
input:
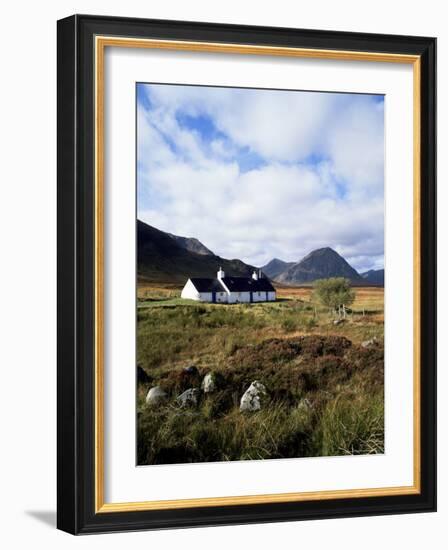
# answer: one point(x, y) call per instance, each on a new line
point(257, 174)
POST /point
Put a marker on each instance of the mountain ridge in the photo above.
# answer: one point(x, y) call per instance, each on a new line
point(167, 258)
point(160, 258)
point(192, 244)
point(321, 263)
point(276, 266)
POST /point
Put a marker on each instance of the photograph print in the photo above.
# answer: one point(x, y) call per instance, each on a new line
point(260, 274)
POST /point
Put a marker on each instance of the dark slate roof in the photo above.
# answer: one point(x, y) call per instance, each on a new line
point(263, 285)
point(245, 284)
point(237, 284)
point(206, 285)
point(234, 284)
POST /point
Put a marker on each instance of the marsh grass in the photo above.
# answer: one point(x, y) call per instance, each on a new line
point(342, 427)
point(350, 426)
point(277, 432)
point(292, 347)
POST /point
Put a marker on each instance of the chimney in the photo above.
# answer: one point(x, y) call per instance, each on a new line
point(221, 274)
point(255, 275)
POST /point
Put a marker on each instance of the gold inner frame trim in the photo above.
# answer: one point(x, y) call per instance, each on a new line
point(101, 42)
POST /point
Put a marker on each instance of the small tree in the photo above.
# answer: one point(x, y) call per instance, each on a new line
point(335, 293)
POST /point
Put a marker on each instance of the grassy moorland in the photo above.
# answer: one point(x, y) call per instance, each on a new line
point(325, 390)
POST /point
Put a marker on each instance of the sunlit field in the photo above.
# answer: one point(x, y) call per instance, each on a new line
point(324, 379)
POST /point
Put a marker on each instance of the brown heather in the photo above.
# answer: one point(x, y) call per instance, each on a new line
point(325, 389)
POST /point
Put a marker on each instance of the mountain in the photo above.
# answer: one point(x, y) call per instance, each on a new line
point(374, 277)
point(166, 258)
point(160, 258)
point(319, 264)
point(275, 267)
point(191, 244)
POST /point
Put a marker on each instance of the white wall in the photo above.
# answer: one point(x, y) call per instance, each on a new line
point(189, 291)
point(222, 297)
point(28, 275)
point(259, 296)
point(239, 297)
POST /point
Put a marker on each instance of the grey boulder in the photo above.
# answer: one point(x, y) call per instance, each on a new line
point(369, 343)
point(191, 370)
point(156, 396)
point(142, 376)
point(209, 383)
point(189, 398)
point(254, 397)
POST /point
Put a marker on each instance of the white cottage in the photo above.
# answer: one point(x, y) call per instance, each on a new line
point(230, 290)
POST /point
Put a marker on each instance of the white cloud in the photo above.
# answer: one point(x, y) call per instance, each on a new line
point(284, 207)
point(356, 147)
point(278, 125)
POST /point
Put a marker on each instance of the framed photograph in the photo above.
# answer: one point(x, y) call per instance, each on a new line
point(246, 274)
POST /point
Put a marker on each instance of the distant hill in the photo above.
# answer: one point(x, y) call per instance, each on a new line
point(191, 244)
point(167, 258)
point(374, 277)
point(319, 264)
point(162, 258)
point(275, 267)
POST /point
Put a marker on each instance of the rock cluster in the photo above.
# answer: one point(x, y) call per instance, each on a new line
point(255, 397)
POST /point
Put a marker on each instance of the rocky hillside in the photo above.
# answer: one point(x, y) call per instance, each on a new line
point(319, 264)
point(191, 244)
point(275, 267)
point(166, 258)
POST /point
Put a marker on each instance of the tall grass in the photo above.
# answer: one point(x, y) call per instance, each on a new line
point(343, 427)
point(350, 425)
point(173, 436)
point(346, 392)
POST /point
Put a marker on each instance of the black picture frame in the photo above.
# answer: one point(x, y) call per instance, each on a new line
point(76, 286)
